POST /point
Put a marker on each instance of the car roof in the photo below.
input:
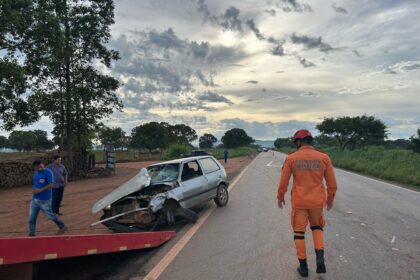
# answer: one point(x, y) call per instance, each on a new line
point(182, 160)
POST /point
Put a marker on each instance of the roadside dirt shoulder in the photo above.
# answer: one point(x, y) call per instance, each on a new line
point(79, 196)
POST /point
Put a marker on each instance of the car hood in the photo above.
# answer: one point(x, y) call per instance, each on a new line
point(138, 182)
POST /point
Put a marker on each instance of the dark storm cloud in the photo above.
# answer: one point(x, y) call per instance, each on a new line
point(251, 24)
point(357, 53)
point(278, 49)
point(252, 82)
point(229, 20)
point(311, 42)
point(305, 63)
point(166, 39)
point(293, 6)
point(411, 67)
point(213, 97)
point(208, 82)
point(338, 9)
point(271, 12)
point(310, 94)
point(153, 82)
point(402, 67)
point(203, 8)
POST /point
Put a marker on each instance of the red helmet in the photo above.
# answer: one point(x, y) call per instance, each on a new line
point(300, 134)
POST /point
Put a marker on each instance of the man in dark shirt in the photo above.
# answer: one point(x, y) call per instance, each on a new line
point(60, 181)
point(41, 199)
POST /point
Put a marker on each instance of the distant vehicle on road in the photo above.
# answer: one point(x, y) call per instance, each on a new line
point(265, 149)
point(163, 194)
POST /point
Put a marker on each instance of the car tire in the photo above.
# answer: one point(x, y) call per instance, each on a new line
point(222, 197)
point(187, 214)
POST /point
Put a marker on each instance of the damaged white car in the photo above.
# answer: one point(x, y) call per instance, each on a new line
point(163, 194)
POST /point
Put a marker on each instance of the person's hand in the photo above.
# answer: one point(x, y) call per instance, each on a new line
point(281, 203)
point(35, 191)
point(330, 204)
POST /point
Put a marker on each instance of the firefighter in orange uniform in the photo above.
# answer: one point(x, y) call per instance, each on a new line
point(309, 167)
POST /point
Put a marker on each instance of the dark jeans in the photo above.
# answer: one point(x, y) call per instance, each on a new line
point(57, 197)
point(45, 207)
point(226, 158)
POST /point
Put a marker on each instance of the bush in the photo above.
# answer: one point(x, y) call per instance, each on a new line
point(175, 151)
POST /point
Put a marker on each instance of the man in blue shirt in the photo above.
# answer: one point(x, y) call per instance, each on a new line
point(60, 181)
point(225, 155)
point(41, 199)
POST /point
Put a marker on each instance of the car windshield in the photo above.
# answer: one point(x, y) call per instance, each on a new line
point(163, 172)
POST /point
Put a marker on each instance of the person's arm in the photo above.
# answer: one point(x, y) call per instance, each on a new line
point(286, 172)
point(331, 183)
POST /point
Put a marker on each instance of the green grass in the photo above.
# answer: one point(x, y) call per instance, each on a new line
point(398, 165)
point(237, 152)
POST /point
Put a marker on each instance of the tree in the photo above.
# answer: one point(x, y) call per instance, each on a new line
point(207, 141)
point(30, 140)
point(41, 140)
point(352, 131)
point(4, 142)
point(416, 142)
point(283, 142)
point(112, 136)
point(325, 141)
point(150, 136)
point(236, 137)
point(181, 134)
point(51, 47)
point(22, 140)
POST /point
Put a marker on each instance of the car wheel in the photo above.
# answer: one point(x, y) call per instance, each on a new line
point(187, 214)
point(222, 197)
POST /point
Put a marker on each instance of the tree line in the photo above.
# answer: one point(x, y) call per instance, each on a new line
point(160, 135)
point(27, 140)
point(353, 132)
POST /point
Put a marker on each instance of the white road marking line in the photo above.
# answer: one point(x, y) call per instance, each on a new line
point(269, 164)
point(174, 251)
point(393, 239)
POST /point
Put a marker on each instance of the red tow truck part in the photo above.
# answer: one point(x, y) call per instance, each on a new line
point(14, 250)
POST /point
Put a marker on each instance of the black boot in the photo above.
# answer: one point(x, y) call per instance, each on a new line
point(303, 268)
point(320, 263)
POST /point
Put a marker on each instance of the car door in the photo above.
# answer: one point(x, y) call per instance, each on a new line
point(213, 174)
point(193, 183)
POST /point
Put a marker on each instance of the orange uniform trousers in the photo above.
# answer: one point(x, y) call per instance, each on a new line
point(300, 220)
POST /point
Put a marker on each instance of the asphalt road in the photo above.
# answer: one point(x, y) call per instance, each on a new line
point(373, 232)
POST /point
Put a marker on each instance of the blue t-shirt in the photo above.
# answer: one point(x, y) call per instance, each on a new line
point(41, 179)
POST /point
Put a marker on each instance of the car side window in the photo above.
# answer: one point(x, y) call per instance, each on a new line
point(191, 170)
point(209, 165)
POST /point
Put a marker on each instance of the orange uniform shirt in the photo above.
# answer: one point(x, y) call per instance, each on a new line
point(309, 167)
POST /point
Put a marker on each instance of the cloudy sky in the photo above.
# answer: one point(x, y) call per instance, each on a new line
point(270, 67)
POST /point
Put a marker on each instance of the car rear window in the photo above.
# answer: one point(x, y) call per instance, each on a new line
point(209, 165)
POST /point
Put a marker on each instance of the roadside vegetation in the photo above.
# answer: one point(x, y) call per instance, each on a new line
point(360, 144)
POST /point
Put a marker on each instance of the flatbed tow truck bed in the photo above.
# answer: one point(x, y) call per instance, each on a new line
point(17, 254)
